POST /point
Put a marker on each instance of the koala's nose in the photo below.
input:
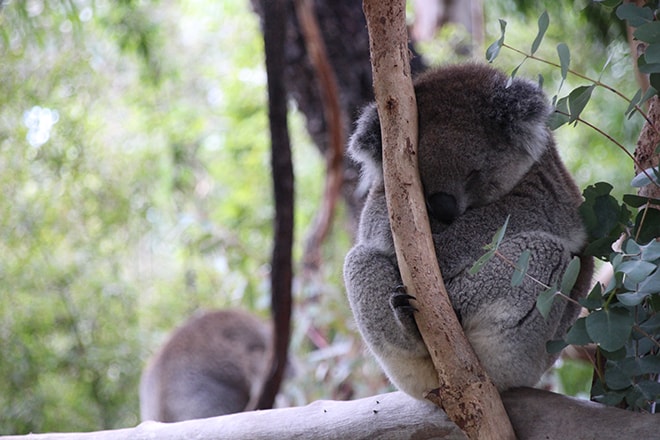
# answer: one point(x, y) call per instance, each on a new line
point(442, 207)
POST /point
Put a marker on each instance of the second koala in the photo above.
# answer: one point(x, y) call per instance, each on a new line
point(484, 153)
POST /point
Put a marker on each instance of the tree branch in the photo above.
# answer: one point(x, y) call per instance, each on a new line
point(281, 264)
point(466, 393)
point(536, 415)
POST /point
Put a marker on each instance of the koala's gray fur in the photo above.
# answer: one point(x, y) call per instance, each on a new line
point(215, 364)
point(485, 153)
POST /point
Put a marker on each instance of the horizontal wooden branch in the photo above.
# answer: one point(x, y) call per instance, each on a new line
point(535, 414)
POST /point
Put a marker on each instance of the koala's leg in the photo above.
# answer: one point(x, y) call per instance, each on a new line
point(501, 322)
point(385, 319)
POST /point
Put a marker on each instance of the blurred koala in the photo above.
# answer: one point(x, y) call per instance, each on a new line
point(215, 364)
point(485, 153)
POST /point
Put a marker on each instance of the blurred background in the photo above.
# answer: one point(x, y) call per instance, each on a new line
point(135, 188)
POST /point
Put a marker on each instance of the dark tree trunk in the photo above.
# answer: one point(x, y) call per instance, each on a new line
point(282, 168)
point(344, 32)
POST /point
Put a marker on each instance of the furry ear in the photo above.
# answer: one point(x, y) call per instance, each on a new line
point(366, 146)
point(523, 110)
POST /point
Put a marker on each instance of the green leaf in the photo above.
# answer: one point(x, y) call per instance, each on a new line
point(577, 334)
point(636, 201)
point(564, 59)
point(654, 78)
point(635, 15)
point(651, 285)
point(499, 235)
point(594, 300)
point(632, 107)
point(494, 49)
point(648, 32)
point(646, 67)
point(647, 225)
point(578, 99)
point(561, 115)
point(481, 262)
point(543, 23)
point(521, 269)
point(610, 328)
point(631, 299)
point(570, 276)
point(545, 300)
point(616, 377)
point(636, 270)
point(651, 251)
point(644, 178)
point(555, 346)
point(652, 53)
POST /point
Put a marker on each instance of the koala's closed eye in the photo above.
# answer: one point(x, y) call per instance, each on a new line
point(442, 207)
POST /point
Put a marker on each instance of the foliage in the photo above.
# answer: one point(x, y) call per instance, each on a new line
point(135, 180)
point(136, 189)
point(623, 319)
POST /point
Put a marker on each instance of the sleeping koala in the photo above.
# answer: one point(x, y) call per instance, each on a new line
point(484, 153)
point(215, 364)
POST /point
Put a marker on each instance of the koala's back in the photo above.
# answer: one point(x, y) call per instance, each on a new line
point(212, 365)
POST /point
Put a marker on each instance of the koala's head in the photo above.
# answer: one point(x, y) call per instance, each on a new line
point(479, 134)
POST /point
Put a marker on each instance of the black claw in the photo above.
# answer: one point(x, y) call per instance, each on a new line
point(401, 300)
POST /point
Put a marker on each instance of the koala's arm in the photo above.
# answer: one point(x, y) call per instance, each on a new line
point(386, 324)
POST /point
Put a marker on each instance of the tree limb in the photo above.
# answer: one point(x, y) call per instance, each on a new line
point(466, 393)
point(536, 415)
point(281, 264)
point(332, 113)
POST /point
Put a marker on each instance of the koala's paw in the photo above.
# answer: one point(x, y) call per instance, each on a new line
point(403, 310)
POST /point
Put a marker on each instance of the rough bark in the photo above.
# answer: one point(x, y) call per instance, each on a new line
point(344, 33)
point(536, 415)
point(465, 392)
point(281, 273)
point(645, 152)
point(332, 114)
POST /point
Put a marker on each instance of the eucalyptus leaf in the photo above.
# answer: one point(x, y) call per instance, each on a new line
point(633, 103)
point(635, 15)
point(636, 270)
point(651, 251)
point(652, 53)
point(564, 59)
point(648, 32)
point(631, 299)
point(570, 276)
point(545, 300)
point(616, 378)
point(651, 285)
point(578, 100)
point(481, 262)
point(644, 178)
point(636, 201)
point(521, 269)
point(561, 114)
point(610, 328)
point(543, 23)
point(555, 346)
point(494, 49)
point(577, 334)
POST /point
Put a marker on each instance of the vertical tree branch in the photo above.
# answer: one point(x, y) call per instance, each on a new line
point(466, 394)
point(281, 266)
point(332, 113)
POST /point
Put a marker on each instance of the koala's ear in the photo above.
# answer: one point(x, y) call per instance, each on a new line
point(365, 145)
point(523, 110)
